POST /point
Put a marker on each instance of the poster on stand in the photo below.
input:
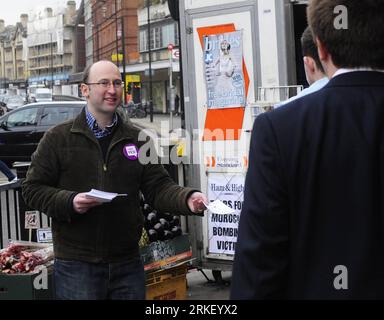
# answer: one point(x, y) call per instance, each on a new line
point(223, 228)
point(223, 56)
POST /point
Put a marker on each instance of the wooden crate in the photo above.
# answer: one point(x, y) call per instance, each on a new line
point(169, 284)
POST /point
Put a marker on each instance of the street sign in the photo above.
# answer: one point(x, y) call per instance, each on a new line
point(32, 220)
point(170, 47)
point(175, 54)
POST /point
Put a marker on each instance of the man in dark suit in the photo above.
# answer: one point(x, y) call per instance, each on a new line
point(312, 225)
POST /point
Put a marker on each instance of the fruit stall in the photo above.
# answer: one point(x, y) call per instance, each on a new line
point(26, 267)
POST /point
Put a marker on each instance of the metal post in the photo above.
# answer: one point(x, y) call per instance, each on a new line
point(181, 102)
point(123, 44)
point(150, 63)
point(117, 40)
point(97, 24)
point(14, 54)
point(171, 103)
point(51, 64)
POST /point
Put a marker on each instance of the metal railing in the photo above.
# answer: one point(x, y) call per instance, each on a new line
point(10, 215)
point(269, 97)
point(12, 209)
point(277, 94)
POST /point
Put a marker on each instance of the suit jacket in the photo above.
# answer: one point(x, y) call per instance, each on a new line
point(313, 213)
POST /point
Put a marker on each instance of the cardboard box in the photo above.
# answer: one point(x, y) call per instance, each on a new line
point(169, 284)
point(164, 254)
point(25, 286)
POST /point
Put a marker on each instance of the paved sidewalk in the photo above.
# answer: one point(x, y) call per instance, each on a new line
point(199, 288)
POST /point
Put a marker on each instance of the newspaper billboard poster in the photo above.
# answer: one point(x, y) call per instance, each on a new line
point(223, 228)
point(223, 56)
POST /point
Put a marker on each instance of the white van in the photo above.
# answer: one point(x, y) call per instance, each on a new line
point(43, 94)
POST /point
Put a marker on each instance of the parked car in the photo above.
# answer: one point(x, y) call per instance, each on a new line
point(58, 97)
point(13, 102)
point(22, 129)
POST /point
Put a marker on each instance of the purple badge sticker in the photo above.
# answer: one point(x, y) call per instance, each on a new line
point(131, 152)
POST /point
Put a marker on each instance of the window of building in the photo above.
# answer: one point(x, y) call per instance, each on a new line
point(161, 37)
point(20, 72)
point(169, 35)
point(156, 38)
point(9, 73)
point(143, 40)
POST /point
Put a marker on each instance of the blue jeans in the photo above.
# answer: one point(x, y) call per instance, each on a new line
point(76, 280)
point(7, 172)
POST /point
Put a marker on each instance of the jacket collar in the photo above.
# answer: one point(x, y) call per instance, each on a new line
point(357, 79)
point(123, 129)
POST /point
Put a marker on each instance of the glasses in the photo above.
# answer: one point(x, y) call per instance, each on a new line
point(107, 84)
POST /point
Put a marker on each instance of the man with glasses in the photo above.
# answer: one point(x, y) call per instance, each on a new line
point(95, 243)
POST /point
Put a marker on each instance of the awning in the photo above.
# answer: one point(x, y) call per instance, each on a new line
point(76, 77)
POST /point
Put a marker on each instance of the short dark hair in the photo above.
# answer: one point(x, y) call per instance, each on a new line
point(362, 43)
point(309, 48)
point(86, 73)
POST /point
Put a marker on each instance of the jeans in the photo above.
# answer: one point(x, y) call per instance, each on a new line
point(7, 172)
point(76, 280)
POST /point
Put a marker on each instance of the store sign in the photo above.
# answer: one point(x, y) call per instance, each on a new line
point(132, 78)
point(117, 57)
point(223, 228)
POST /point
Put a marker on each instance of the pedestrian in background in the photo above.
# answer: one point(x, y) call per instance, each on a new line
point(314, 71)
point(177, 104)
point(312, 224)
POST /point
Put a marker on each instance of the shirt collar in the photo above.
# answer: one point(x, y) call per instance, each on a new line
point(320, 82)
point(347, 70)
point(92, 124)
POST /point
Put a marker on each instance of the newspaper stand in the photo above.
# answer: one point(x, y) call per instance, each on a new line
point(266, 36)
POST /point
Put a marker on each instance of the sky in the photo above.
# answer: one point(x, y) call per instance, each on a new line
point(11, 11)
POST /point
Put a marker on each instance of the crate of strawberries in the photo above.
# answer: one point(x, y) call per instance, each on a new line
point(25, 271)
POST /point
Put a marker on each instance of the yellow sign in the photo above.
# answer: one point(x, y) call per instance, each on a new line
point(132, 78)
point(181, 149)
point(115, 56)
